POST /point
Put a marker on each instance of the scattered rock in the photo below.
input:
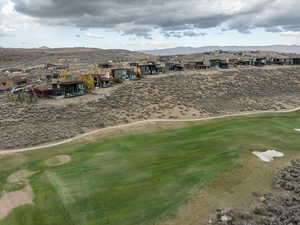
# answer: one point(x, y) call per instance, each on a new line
point(282, 208)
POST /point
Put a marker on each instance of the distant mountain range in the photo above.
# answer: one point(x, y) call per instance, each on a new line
point(192, 50)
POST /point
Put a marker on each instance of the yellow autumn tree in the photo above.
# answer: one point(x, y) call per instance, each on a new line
point(88, 81)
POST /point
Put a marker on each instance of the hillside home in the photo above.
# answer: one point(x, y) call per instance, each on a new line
point(214, 62)
point(72, 88)
point(101, 81)
point(218, 63)
point(259, 61)
point(43, 91)
point(174, 67)
point(233, 62)
point(196, 66)
point(295, 61)
point(244, 62)
point(148, 69)
point(104, 65)
point(52, 77)
point(279, 61)
point(223, 65)
point(120, 73)
point(133, 64)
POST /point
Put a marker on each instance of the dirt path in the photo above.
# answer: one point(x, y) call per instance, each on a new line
point(45, 146)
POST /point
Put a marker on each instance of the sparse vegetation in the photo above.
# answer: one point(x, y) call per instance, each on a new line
point(177, 96)
point(22, 97)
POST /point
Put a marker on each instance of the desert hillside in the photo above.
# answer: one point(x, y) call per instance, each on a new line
point(181, 95)
point(27, 57)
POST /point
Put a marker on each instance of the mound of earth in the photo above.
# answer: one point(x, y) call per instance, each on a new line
point(59, 160)
point(180, 96)
point(275, 209)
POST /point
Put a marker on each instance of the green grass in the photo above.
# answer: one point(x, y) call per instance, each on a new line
point(141, 178)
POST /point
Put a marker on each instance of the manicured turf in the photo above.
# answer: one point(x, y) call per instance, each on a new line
point(140, 179)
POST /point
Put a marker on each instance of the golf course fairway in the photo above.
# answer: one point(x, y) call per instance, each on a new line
point(136, 178)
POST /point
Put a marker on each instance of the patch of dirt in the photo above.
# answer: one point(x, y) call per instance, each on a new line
point(59, 160)
point(19, 176)
point(12, 200)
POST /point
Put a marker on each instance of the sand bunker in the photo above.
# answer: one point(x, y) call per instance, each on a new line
point(59, 160)
point(297, 130)
point(12, 200)
point(19, 176)
point(268, 156)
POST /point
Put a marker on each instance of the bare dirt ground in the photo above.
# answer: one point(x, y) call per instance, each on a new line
point(186, 95)
point(19, 176)
point(12, 200)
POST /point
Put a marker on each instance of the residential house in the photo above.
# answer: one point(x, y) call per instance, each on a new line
point(295, 61)
point(43, 91)
point(174, 67)
point(101, 81)
point(214, 62)
point(120, 73)
point(279, 61)
point(133, 64)
point(244, 62)
point(259, 61)
point(199, 65)
point(148, 69)
point(222, 64)
point(72, 88)
point(104, 65)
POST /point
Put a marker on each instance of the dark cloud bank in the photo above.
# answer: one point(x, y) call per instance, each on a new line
point(173, 18)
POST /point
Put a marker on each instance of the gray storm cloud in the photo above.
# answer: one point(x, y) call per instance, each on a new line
point(173, 17)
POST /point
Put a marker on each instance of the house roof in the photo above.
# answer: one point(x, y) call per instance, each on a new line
point(43, 88)
point(70, 82)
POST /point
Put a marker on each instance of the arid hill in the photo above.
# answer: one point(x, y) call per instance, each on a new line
point(181, 95)
point(14, 56)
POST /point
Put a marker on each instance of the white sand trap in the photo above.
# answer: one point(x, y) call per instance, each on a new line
point(12, 200)
point(297, 130)
point(59, 160)
point(268, 156)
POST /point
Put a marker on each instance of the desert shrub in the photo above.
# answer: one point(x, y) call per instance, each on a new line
point(119, 80)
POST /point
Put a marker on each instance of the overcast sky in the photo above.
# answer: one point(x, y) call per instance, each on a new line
point(148, 24)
